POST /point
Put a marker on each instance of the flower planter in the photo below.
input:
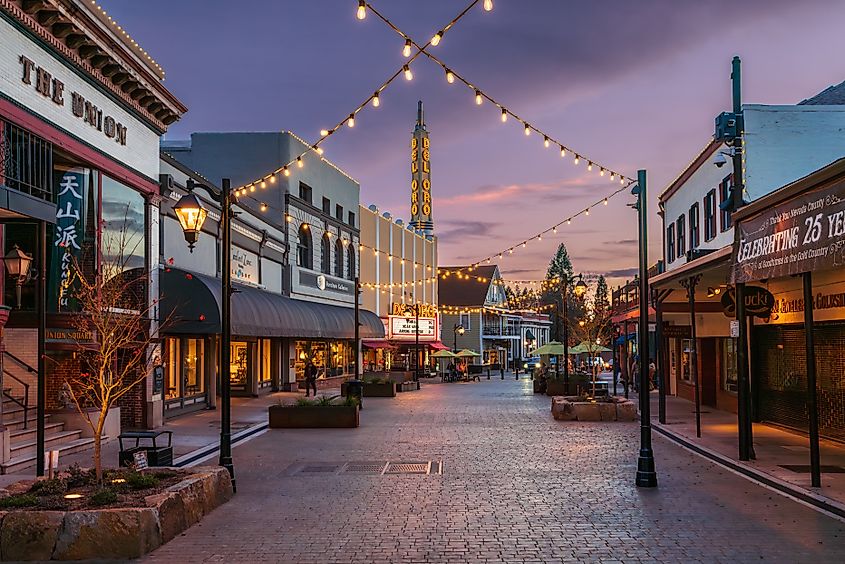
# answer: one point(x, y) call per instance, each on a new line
point(408, 387)
point(113, 534)
point(313, 416)
point(571, 408)
point(371, 390)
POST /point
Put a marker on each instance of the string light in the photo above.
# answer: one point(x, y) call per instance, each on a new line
point(562, 152)
point(488, 5)
point(350, 121)
point(504, 115)
point(408, 74)
point(263, 206)
point(435, 41)
point(362, 9)
point(324, 133)
point(376, 101)
point(263, 184)
point(546, 142)
point(527, 129)
point(299, 162)
point(285, 171)
point(605, 201)
point(478, 97)
point(450, 76)
point(406, 50)
point(272, 179)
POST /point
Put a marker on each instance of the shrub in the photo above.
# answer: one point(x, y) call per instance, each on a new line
point(305, 402)
point(141, 481)
point(23, 500)
point(351, 401)
point(104, 496)
point(56, 486)
point(326, 400)
point(78, 477)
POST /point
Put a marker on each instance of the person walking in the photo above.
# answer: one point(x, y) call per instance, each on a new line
point(652, 373)
point(310, 378)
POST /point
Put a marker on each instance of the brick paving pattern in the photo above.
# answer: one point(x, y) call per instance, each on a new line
point(516, 486)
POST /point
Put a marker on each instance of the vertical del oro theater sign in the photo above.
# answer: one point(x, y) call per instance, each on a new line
point(803, 234)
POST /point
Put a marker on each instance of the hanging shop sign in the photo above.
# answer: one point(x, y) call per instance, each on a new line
point(758, 302)
point(408, 310)
point(67, 237)
point(69, 336)
point(803, 234)
point(828, 303)
point(402, 327)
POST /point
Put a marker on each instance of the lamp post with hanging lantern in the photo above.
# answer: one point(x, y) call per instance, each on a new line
point(17, 264)
point(191, 215)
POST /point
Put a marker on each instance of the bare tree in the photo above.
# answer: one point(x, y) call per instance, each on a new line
point(592, 330)
point(115, 311)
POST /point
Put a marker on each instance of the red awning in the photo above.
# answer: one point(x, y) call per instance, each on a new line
point(377, 344)
point(439, 346)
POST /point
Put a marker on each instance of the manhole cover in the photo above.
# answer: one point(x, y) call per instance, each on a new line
point(320, 469)
point(408, 468)
point(805, 468)
point(365, 467)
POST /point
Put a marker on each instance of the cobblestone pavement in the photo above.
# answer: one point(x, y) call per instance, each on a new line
point(516, 486)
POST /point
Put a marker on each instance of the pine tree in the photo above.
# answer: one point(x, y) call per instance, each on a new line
point(560, 265)
point(602, 302)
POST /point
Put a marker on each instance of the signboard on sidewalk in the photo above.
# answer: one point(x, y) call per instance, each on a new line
point(803, 234)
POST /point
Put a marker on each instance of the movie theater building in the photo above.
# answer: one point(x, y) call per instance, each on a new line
point(82, 108)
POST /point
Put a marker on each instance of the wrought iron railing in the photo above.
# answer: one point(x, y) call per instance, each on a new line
point(26, 162)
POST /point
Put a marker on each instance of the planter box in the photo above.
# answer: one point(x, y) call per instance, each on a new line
point(556, 387)
point(571, 409)
point(371, 390)
point(313, 416)
point(408, 387)
point(114, 534)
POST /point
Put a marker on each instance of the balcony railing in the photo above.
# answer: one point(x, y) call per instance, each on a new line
point(26, 162)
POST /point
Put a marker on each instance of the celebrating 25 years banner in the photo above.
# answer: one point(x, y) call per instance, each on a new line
point(803, 234)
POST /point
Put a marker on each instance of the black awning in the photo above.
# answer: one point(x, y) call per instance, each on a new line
point(190, 305)
point(529, 335)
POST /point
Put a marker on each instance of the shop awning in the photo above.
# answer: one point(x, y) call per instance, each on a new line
point(438, 346)
point(377, 344)
point(190, 305)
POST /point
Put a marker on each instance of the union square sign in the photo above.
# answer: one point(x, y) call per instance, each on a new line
point(803, 234)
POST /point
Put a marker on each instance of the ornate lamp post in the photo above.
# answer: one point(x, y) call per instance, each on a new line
point(18, 264)
point(458, 330)
point(191, 215)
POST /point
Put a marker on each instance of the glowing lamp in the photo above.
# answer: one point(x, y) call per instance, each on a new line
point(191, 216)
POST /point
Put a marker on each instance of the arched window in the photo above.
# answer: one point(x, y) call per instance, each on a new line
point(350, 261)
point(326, 254)
point(304, 255)
point(338, 258)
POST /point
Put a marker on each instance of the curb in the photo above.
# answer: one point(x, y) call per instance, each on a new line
point(204, 452)
point(798, 493)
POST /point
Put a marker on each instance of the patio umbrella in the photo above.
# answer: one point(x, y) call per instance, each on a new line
point(444, 354)
point(585, 347)
point(467, 353)
point(552, 348)
point(580, 348)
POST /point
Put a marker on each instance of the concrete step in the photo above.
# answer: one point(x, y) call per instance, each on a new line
point(53, 441)
point(23, 435)
point(14, 411)
point(24, 462)
point(17, 423)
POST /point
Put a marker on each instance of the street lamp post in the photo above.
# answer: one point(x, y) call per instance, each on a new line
point(417, 341)
point(646, 474)
point(191, 215)
point(459, 329)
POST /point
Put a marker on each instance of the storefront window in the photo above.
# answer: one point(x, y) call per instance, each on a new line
point(239, 364)
point(192, 367)
point(123, 246)
point(729, 382)
point(266, 370)
point(332, 358)
point(686, 350)
point(173, 388)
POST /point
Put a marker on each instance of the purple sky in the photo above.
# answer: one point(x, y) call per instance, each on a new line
point(628, 84)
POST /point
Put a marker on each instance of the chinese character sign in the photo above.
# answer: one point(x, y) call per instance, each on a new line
point(68, 234)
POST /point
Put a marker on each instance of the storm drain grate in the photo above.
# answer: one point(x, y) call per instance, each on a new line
point(320, 469)
point(365, 467)
point(805, 468)
point(408, 468)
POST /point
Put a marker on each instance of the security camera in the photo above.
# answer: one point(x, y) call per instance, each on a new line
point(720, 160)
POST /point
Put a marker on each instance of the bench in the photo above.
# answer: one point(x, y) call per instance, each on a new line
point(156, 455)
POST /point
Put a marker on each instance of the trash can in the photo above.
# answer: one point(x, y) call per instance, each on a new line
point(355, 389)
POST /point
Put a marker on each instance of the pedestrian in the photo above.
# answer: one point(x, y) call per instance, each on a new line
point(310, 378)
point(652, 372)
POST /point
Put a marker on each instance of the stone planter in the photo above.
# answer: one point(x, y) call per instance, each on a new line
point(569, 408)
point(113, 534)
point(386, 390)
point(313, 416)
point(408, 387)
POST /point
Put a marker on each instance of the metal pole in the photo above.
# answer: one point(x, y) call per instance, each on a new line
point(615, 352)
point(742, 412)
point(41, 298)
point(417, 341)
point(628, 375)
point(357, 325)
point(812, 404)
point(565, 302)
point(646, 474)
point(660, 359)
point(693, 352)
point(226, 337)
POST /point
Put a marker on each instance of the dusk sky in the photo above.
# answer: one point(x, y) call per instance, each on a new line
point(628, 84)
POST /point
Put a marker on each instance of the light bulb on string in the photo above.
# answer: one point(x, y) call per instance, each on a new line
point(527, 129)
point(252, 187)
point(569, 221)
point(435, 41)
point(285, 170)
point(504, 115)
point(554, 230)
point(587, 211)
point(299, 162)
point(601, 172)
point(350, 121)
point(362, 9)
point(376, 101)
point(324, 133)
point(590, 166)
point(562, 152)
point(406, 50)
point(317, 149)
point(612, 176)
point(263, 206)
point(272, 178)
point(450, 76)
point(605, 201)
point(577, 160)
point(488, 5)
point(621, 180)
point(478, 97)
point(263, 184)
point(408, 74)
point(546, 142)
